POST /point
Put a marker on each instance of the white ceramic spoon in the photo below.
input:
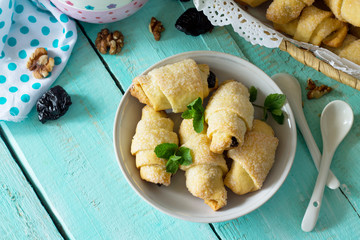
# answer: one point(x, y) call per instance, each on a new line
point(290, 86)
point(336, 121)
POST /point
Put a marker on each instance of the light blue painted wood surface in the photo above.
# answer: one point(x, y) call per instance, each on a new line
point(339, 216)
point(141, 50)
point(21, 214)
point(71, 160)
point(345, 163)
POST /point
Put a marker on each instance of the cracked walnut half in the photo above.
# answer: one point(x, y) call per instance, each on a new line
point(156, 27)
point(316, 91)
point(40, 63)
point(106, 40)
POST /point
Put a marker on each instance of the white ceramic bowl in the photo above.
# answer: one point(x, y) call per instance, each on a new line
point(175, 200)
point(96, 11)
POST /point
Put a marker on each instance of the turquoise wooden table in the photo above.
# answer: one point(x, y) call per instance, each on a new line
point(62, 180)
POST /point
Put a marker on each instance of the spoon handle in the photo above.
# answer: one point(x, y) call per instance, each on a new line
point(291, 87)
point(313, 209)
point(332, 182)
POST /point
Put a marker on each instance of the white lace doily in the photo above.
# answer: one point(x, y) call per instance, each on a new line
point(252, 25)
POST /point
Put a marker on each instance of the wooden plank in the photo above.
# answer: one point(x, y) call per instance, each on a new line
point(21, 214)
point(72, 161)
point(281, 216)
point(141, 50)
point(140, 57)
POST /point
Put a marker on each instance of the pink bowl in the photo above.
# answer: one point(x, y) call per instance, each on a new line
point(112, 14)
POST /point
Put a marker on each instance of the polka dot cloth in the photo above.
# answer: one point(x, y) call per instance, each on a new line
point(35, 23)
point(6, 13)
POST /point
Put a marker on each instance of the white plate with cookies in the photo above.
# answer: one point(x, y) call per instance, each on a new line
point(175, 199)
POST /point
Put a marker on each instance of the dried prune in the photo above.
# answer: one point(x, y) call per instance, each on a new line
point(211, 80)
point(53, 104)
point(234, 142)
point(193, 23)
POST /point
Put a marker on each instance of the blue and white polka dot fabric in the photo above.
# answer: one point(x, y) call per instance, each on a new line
point(24, 26)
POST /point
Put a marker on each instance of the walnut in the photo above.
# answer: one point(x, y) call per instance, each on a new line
point(156, 27)
point(316, 91)
point(40, 63)
point(310, 84)
point(106, 40)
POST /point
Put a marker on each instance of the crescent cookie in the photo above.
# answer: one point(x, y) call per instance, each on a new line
point(253, 160)
point(204, 177)
point(153, 129)
point(174, 86)
point(229, 115)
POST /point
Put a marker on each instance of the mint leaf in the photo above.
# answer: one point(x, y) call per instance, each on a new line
point(175, 156)
point(198, 123)
point(186, 156)
point(165, 150)
point(194, 103)
point(253, 93)
point(199, 108)
point(273, 104)
point(274, 101)
point(279, 118)
point(196, 112)
point(172, 166)
point(188, 114)
point(277, 112)
point(196, 106)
